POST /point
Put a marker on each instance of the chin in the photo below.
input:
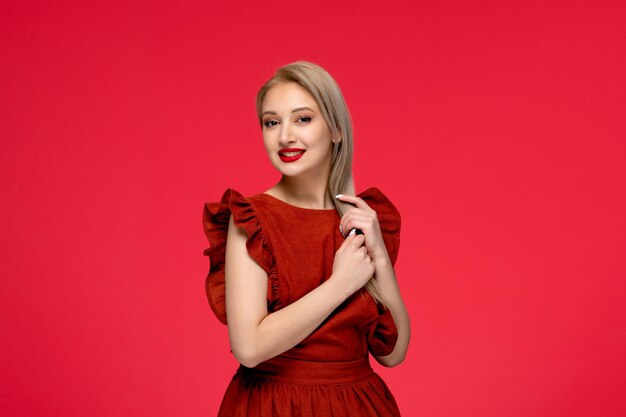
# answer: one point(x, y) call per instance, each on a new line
point(292, 171)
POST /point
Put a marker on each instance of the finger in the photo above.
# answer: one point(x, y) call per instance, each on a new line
point(352, 199)
point(347, 241)
point(357, 241)
point(347, 227)
point(359, 220)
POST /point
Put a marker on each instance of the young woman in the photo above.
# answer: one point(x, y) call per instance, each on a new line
point(304, 270)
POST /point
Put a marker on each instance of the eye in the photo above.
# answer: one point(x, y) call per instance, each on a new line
point(306, 118)
point(268, 123)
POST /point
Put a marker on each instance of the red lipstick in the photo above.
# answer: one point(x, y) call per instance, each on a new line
point(293, 158)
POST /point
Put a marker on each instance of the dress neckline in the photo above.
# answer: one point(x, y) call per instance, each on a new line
point(330, 210)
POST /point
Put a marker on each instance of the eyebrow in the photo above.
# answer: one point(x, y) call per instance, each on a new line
point(293, 111)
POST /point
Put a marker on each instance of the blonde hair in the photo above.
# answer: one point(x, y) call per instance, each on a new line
point(324, 89)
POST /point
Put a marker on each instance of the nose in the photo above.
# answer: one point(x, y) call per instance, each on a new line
point(286, 137)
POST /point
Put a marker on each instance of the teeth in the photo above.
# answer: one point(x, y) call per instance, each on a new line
point(292, 153)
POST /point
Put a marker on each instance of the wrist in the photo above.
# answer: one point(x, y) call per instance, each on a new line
point(338, 288)
point(381, 256)
point(381, 262)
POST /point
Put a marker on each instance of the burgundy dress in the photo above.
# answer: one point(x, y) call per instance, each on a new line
point(328, 373)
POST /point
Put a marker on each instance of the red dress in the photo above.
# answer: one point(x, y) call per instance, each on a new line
point(328, 373)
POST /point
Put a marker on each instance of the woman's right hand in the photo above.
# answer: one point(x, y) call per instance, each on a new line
point(352, 266)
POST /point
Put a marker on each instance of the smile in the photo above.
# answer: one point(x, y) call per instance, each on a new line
point(290, 156)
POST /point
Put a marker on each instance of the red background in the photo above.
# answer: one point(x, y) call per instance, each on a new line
point(497, 129)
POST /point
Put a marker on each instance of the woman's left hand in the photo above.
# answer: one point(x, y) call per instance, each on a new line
point(363, 217)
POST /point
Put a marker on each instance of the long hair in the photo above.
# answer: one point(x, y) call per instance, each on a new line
point(324, 89)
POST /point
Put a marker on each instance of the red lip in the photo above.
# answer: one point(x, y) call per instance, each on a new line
point(290, 158)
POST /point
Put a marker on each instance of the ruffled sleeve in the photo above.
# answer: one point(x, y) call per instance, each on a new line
point(382, 333)
point(388, 219)
point(215, 220)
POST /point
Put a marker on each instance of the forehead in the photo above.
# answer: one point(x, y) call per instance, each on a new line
point(286, 96)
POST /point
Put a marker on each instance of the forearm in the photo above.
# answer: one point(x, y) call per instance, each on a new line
point(387, 284)
point(283, 329)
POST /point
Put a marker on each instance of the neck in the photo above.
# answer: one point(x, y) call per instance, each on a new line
point(307, 192)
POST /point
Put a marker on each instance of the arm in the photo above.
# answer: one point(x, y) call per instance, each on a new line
point(255, 335)
point(363, 217)
point(388, 287)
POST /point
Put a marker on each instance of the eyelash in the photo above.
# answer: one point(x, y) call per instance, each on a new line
point(300, 117)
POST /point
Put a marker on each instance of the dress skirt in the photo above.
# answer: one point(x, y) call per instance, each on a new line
point(285, 387)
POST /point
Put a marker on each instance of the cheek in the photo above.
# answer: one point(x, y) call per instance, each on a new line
point(319, 137)
point(266, 143)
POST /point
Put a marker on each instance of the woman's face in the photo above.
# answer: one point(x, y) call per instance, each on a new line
point(292, 120)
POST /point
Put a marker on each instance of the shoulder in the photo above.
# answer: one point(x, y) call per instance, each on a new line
point(244, 209)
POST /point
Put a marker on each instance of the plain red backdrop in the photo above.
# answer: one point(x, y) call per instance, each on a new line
point(497, 128)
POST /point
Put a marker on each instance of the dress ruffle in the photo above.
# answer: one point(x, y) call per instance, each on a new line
point(215, 218)
point(382, 335)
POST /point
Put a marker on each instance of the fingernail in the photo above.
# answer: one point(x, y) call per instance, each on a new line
point(339, 195)
point(353, 231)
point(341, 230)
